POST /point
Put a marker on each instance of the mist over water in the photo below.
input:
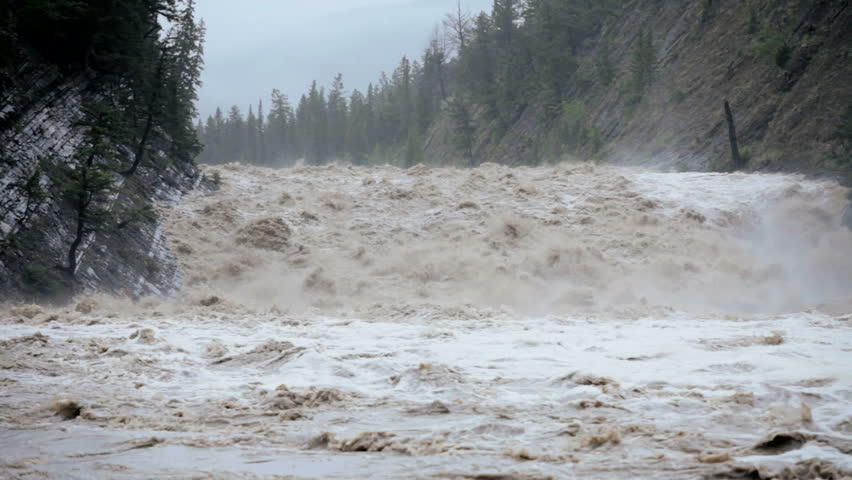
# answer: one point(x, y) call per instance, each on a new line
point(262, 45)
point(538, 240)
point(524, 323)
point(606, 319)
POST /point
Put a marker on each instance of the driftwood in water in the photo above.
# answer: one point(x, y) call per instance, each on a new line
point(736, 160)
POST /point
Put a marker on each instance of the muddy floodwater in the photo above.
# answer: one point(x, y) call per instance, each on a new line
point(574, 321)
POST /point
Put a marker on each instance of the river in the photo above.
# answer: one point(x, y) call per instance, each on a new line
point(569, 321)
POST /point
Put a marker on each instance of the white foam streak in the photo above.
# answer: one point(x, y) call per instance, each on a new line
point(567, 322)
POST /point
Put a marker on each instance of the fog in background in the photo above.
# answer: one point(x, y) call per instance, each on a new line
point(254, 46)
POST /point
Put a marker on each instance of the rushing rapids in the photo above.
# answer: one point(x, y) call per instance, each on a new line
point(575, 321)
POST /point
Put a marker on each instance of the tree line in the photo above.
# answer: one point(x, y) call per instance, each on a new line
point(477, 69)
point(332, 124)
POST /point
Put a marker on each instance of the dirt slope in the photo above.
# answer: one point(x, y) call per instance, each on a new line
point(787, 116)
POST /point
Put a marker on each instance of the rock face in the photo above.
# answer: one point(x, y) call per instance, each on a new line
point(38, 132)
point(786, 115)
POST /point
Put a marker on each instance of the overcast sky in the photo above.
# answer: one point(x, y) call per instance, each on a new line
point(254, 46)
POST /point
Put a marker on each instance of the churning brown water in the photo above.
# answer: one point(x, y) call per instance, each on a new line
point(575, 321)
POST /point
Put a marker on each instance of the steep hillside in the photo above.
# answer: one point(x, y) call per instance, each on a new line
point(95, 127)
point(783, 65)
point(43, 109)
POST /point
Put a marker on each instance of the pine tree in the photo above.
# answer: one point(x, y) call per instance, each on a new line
point(510, 62)
point(303, 127)
point(413, 149)
point(235, 136)
point(279, 129)
point(150, 104)
point(505, 13)
point(261, 135)
point(210, 138)
point(478, 64)
point(370, 118)
point(316, 129)
point(357, 132)
point(402, 79)
point(430, 83)
point(87, 182)
point(251, 133)
point(217, 137)
point(183, 80)
point(337, 110)
point(464, 128)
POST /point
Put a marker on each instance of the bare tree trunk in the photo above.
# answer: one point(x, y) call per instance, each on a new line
point(462, 21)
point(149, 122)
point(736, 159)
point(78, 238)
point(458, 25)
point(140, 148)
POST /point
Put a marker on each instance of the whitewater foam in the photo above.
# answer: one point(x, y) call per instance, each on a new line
point(540, 240)
point(575, 321)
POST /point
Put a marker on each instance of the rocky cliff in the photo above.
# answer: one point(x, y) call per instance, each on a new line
point(39, 133)
point(783, 65)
